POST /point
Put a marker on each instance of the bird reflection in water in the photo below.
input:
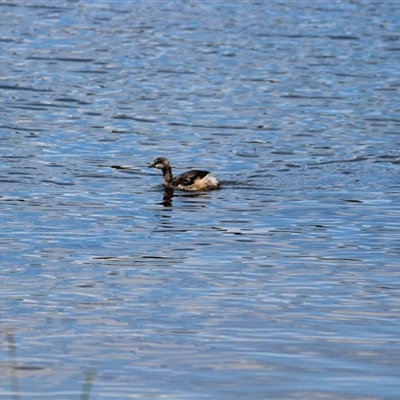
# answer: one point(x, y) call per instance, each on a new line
point(167, 198)
point(170, 193)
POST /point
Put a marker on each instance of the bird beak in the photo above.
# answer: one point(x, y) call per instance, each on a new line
point(150, 165)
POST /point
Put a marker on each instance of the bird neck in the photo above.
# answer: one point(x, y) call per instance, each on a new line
point(167, 173)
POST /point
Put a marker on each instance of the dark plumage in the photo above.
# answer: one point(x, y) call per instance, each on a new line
point(191, 180)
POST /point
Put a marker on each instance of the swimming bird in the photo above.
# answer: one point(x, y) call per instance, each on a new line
point(193, 180)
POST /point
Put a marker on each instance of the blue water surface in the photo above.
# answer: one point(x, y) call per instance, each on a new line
point(283, 284)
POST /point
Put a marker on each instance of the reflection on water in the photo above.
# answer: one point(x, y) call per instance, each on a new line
point(167, 198)
point(169, 194)
point(288, 274)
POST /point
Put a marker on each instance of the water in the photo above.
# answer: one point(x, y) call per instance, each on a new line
point(283, 284)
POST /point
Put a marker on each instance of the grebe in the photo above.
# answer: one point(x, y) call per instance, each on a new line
point(191, 180)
